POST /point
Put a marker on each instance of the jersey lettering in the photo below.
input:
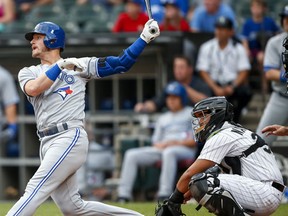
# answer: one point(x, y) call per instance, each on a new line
point(68, 78)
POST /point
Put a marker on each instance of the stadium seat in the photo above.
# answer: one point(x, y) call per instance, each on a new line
point(65, 4)
point(20, 26)
point(46, 13)
point(86, 15)
point(98, 23)
point(113, 15)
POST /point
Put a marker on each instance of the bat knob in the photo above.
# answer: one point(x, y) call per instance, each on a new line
point(152, 30)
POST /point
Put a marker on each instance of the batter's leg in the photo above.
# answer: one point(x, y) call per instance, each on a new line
point(67, 198)
point(57, 165)
point(274, 113)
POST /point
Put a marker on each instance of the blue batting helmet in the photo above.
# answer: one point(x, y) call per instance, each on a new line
point(175, 88)
point(55, 35)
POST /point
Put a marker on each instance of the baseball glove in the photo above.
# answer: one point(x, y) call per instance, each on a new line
point(168, 208)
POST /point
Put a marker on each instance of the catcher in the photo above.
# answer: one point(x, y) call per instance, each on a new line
point(235, 173)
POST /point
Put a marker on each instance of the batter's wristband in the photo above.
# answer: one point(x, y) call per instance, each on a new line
point(53, 72)
point(283, 78)
point(177, 197)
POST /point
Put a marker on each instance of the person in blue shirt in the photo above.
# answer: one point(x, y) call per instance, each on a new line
point(258, 28)
point(158, 9)
point(256, 31)
point(205, 16)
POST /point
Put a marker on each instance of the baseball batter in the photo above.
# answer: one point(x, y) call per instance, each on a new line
point(56, 89)
point(274, 71)
point(250, 184)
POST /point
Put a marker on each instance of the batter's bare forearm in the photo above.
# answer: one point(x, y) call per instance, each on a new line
point(38, 85)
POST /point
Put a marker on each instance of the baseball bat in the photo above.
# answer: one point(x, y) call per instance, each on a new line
point(149, 12)
point(148, 8)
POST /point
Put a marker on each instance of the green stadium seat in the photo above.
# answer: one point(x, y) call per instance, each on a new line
point(20, 26)
point(46, 13)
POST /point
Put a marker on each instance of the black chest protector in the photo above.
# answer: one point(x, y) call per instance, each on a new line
point(235, 162)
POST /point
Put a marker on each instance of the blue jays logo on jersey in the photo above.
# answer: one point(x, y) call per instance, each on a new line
point(64, 91)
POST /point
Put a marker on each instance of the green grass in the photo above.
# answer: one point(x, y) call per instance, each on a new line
point(50, 209)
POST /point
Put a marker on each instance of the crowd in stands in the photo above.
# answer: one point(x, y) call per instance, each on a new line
point(184, 15)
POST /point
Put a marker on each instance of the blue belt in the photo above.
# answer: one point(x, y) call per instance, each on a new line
point(53, 130)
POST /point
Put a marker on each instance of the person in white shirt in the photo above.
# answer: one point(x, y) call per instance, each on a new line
point(224, 65)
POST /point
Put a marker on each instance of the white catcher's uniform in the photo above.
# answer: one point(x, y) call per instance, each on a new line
point(253, 188)
point(61, 108)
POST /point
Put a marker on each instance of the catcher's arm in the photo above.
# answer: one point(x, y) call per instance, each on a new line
point(200, 165)
point(172, 206)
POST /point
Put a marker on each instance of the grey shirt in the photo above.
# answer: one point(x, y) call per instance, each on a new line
point(273, 59)
point(8, 92)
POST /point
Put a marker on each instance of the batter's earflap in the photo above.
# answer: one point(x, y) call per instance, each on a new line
point(54, 35)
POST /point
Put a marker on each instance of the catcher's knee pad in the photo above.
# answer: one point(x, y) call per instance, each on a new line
point(206, 190)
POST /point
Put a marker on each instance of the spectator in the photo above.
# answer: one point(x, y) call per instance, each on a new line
point(133, 19)
point(8, 103)
point(276, 110)
point(183, 73)
point(157, 9)
point(223, 64)
point(172, 141)
point(205, 16)
point(7, 12)
point(183, 5)
point(173, 19)
point(256, 31)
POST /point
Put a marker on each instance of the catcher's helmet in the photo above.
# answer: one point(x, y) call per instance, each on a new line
point(218, 109)
point(284, 13)
point(175, 88)
point(55, 35)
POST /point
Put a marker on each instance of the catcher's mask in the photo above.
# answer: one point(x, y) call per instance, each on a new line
point(209, 115)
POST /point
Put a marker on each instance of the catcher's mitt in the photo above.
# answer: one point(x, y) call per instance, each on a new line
point(168, 208)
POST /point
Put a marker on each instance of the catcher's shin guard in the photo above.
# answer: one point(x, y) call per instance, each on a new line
point(205, 188)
